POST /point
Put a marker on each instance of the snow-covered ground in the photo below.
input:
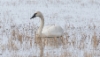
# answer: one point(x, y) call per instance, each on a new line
point(80, 20)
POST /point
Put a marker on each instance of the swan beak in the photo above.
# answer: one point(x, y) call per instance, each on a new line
point(33, 16)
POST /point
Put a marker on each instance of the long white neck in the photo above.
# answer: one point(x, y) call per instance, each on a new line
point(41, 25)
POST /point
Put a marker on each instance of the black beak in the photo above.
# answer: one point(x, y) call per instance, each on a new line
point(33, 16)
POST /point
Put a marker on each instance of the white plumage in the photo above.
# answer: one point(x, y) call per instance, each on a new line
point(47, 31)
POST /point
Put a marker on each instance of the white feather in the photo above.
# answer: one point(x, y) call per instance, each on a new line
point(48, 31)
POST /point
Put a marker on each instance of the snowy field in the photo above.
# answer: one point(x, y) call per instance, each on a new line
point(80, 20)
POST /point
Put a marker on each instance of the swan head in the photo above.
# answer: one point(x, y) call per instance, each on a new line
point(37, 14)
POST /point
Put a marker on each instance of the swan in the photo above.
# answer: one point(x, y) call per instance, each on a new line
point(47, 31)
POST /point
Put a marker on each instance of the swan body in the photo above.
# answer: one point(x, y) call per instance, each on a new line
point(47, 31)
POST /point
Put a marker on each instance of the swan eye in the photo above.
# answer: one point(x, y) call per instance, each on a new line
point(33, 16)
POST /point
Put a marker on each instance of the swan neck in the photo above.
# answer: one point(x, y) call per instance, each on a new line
point(41, 25)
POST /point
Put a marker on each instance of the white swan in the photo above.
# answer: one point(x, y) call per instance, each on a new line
point(47, 31)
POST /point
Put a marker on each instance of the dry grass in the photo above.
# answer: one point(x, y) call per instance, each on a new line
point(95, 41)
point(12, 45)
point(23, 40)
point(66, 54)
point(82, 41)
point(16, 35)
point(86, 54)
point(50, 42)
